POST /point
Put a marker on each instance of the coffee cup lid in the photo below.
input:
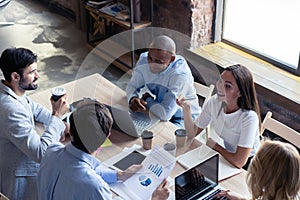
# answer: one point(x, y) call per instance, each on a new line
point(58, 91)
point(180, 132)
point(169, 146)
point(147, 135)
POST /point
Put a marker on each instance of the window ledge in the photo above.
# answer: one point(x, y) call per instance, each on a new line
point(266, 75)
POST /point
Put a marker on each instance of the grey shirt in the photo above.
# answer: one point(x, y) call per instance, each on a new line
point(21, 147)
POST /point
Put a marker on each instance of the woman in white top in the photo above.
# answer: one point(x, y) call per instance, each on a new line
point(234, 110)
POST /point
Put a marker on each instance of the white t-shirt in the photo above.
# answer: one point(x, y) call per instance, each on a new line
point(240, 128)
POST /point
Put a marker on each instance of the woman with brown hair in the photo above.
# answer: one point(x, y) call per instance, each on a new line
point(234, 110)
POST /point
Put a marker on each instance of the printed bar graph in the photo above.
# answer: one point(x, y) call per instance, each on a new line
point(156, 169)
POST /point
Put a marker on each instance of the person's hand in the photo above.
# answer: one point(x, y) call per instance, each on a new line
point(162, 191)
point(182, 102)
point(123, 176)
point(60, 107)
point(65, 137)
point(137, 104)
point(230, 195)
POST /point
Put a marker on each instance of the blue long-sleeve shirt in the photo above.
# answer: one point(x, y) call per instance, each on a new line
point(175, 80)
point(69, 173)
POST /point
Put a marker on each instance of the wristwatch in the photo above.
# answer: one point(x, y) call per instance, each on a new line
point(146, 96)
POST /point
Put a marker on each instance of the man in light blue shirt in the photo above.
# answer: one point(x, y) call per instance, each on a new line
point(72, 171)
point(164, 76)
point(21, 147)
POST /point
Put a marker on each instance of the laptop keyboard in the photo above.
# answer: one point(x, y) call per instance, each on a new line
point(141, 125)
point(191, 192)
point(210, 197)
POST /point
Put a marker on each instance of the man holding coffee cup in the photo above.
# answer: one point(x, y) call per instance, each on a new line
point(21, 147)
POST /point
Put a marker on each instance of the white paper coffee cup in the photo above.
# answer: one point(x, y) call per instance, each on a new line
point(57, 93)
point(181, 136)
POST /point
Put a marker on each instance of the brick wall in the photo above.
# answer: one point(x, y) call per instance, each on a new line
point(202, 20)
point(193, 18)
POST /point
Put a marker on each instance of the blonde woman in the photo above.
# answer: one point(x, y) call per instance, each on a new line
point(273, 173)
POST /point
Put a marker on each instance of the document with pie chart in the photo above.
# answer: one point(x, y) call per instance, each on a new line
point(156, 167)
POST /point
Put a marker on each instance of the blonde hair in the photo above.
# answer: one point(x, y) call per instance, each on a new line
point(274, 172)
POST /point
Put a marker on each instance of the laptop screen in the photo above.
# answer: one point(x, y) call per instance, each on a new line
point(198, 180)
point(131, 123)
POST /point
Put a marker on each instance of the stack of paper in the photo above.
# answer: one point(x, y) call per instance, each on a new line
point(118, 10)
point(157, 166)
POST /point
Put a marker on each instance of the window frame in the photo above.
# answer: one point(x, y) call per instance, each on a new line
point(218, 37)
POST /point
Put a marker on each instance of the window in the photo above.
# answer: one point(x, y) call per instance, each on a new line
point(268, 29)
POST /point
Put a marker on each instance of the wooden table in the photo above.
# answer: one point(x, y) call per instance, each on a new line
point(97, 87)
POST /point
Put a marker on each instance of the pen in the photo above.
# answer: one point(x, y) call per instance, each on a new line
point(188, 99)
point(185, 99)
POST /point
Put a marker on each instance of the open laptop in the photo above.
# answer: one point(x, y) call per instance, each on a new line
point(200, 181)
point(132, 123)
